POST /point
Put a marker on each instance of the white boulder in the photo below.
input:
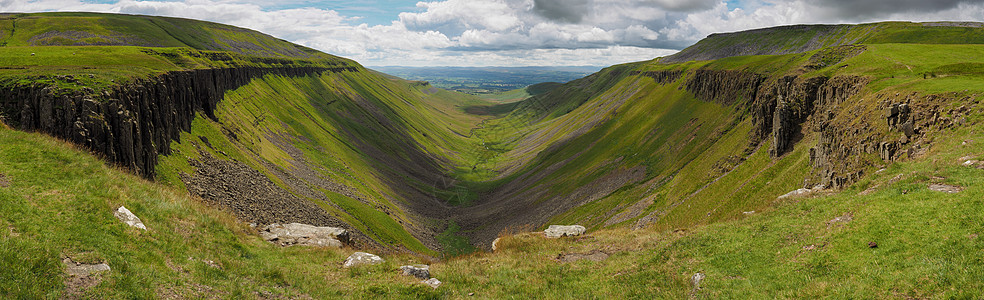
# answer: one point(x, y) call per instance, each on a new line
point(433, 282)
point(556, 231)
point(129, 218)
point(360, 259)
point(303, 234)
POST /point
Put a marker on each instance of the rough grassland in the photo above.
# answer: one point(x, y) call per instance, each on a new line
point(928, 243)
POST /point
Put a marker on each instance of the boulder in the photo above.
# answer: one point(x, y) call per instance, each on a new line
point(80, 269)
point(129, 218)
point(419, 271)
point(946, 188)
point(305, 235)
point(433, 282)
point(556, 231)
point(361, 259)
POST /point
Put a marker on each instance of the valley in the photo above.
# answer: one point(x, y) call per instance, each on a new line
point(677, 166)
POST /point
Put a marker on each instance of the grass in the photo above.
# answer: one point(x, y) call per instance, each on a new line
point(926, 242)
point(48, 213)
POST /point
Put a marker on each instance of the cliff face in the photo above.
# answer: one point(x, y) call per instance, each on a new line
point(131, 124)
point(724, 86)
point(784, 109)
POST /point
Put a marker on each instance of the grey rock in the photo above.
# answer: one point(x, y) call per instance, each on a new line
point(419, 271)
point(433, 282)
point(946, 188)
point(129, 218)
point(303, 234)
point(81, 269)
point(556, 231)
point(696, 279)
point(797, 193)
point(362, 259)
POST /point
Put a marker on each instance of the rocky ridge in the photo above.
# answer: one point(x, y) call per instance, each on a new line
point(130, 124)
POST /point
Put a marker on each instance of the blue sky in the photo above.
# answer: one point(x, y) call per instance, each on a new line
point(513, 32)
point(371, 12)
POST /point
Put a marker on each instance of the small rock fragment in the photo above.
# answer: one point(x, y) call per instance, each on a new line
point(872, 245)
point(433, 282)
point(129, 218)
point(419, 271)
point(748, 212)
point(696, 279)
point(361, 258)
point(556, 231)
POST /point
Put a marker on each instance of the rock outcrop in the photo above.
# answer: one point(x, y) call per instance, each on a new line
point(362, 259)
point(131, 123)
point(661, 77)
point(129, 218)
point(782, 107)
point(724, 86)
point(419, 271)
point(433, 282)
point(556, 231)
point(304, 235)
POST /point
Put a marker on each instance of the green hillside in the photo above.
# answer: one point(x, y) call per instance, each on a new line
point(370, 153)
point(674, 168)
point(803, 38)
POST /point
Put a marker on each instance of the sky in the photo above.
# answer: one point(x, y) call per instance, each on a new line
point(514, 32)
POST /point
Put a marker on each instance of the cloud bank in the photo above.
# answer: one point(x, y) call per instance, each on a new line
point(520, 32)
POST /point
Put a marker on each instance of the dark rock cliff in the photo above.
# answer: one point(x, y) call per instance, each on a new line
point(724, 86)
point(130, 124)
point(783, 108)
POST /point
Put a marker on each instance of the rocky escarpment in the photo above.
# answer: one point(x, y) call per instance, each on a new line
point(784, 109)
point(724, 86)
point(661, 77)
point(130, 124)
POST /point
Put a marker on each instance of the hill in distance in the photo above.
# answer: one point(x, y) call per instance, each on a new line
point(487, 80)
point(681, 168)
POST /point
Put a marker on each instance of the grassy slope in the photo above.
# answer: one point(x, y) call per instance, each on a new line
point(319, 117)
point(679, 139)
point(804, 38)
point(654, 129)
point(926, 242)
point(58, 202)
point(326, 118)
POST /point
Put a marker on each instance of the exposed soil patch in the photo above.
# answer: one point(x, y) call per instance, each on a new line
point(596, 255)
point(4, 181)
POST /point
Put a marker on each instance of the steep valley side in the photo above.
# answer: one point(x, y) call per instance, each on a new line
point(291, 135)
